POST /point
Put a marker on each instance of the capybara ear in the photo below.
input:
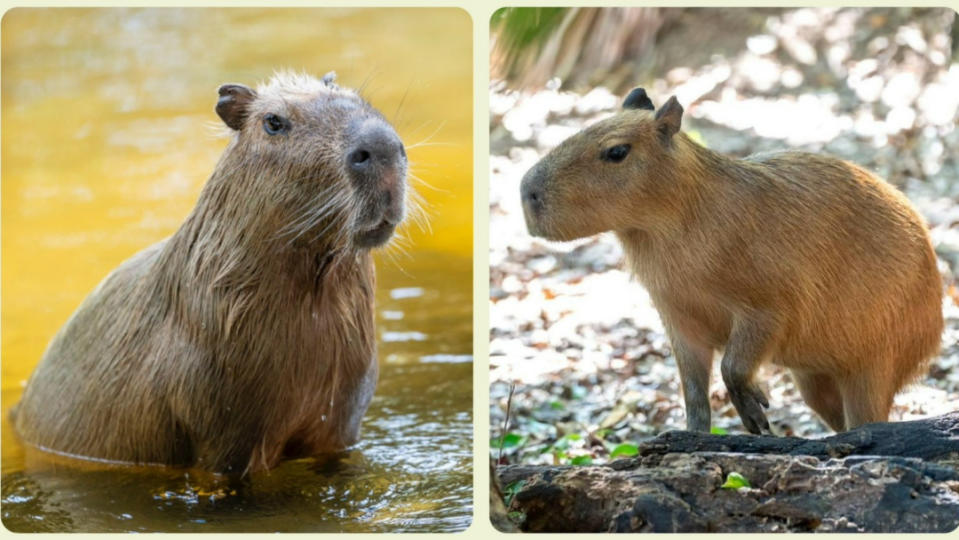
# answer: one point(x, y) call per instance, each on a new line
point(330, 79)
point(669, 117)
point(637, 99)
point(233, 103)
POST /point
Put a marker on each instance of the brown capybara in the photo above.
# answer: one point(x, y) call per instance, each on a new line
point(804, 260)
point(247, 336)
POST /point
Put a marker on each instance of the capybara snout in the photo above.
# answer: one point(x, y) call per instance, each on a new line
point(373, 143)
point(377, 165)
point(532, 195)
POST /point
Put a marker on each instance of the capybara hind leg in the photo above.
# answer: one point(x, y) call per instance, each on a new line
point(821, 393)
point(866, 398)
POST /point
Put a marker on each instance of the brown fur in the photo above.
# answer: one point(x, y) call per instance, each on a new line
point(248, 335)
point(801, 259)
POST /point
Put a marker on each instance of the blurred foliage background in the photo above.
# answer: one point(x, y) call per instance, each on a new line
point(615, 47)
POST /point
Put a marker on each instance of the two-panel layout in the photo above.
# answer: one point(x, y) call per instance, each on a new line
point(238, 270)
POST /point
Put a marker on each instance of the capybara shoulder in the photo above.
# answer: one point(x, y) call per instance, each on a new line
point(247, 336)
point(802, 259)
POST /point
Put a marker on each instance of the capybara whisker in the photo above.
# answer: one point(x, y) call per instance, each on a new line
point(324, 205)
point(424, 183)
point(424, 144)
point(417, 212)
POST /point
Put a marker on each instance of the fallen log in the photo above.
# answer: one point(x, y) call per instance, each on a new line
point(884, 477)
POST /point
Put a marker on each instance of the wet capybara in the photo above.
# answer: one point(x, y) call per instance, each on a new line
point(801, 259)
point(248, 335)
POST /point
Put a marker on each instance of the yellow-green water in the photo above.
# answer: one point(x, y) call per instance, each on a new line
point(108, 134)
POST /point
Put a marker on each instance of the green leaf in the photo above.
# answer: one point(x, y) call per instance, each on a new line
point(557, 405)
point(581, 460)
point(509, 440)
point(625, 449)
point(734, 480)
point(512, 490)
point(718, 431)
point(563, 442)
point(516, 517)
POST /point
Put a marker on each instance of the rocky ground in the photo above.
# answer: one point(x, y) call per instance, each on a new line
point(586, 351)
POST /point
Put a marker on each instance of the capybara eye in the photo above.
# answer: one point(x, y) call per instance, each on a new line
point(274, 124)
point(616, 153)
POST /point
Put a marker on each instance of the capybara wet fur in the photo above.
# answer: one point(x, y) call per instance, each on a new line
point(799, 259)
point(247, 336)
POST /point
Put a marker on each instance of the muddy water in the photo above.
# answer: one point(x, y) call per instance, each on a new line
point(108, 134)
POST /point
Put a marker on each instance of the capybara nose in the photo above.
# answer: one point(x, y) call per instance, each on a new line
point(531, 197)
point(531, 190)
point(375, 143)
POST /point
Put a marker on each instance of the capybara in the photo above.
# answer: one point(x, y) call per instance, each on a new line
point(801, 259)
point(247, 336)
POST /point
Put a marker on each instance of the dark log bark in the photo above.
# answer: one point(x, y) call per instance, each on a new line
point(929, 439)
point(884, 477)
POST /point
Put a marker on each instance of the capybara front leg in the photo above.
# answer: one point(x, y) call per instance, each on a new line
point(695, 363)
point(748, 345)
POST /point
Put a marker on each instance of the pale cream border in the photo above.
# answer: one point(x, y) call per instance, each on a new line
point(480, 11)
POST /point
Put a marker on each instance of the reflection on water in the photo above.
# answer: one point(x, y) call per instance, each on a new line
point(107, 139)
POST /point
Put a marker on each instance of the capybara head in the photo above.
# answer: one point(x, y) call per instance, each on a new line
point(613, 175)
point(322, 165)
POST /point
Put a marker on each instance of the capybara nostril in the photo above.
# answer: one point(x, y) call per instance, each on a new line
point(359, 158)
point(532, 197)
